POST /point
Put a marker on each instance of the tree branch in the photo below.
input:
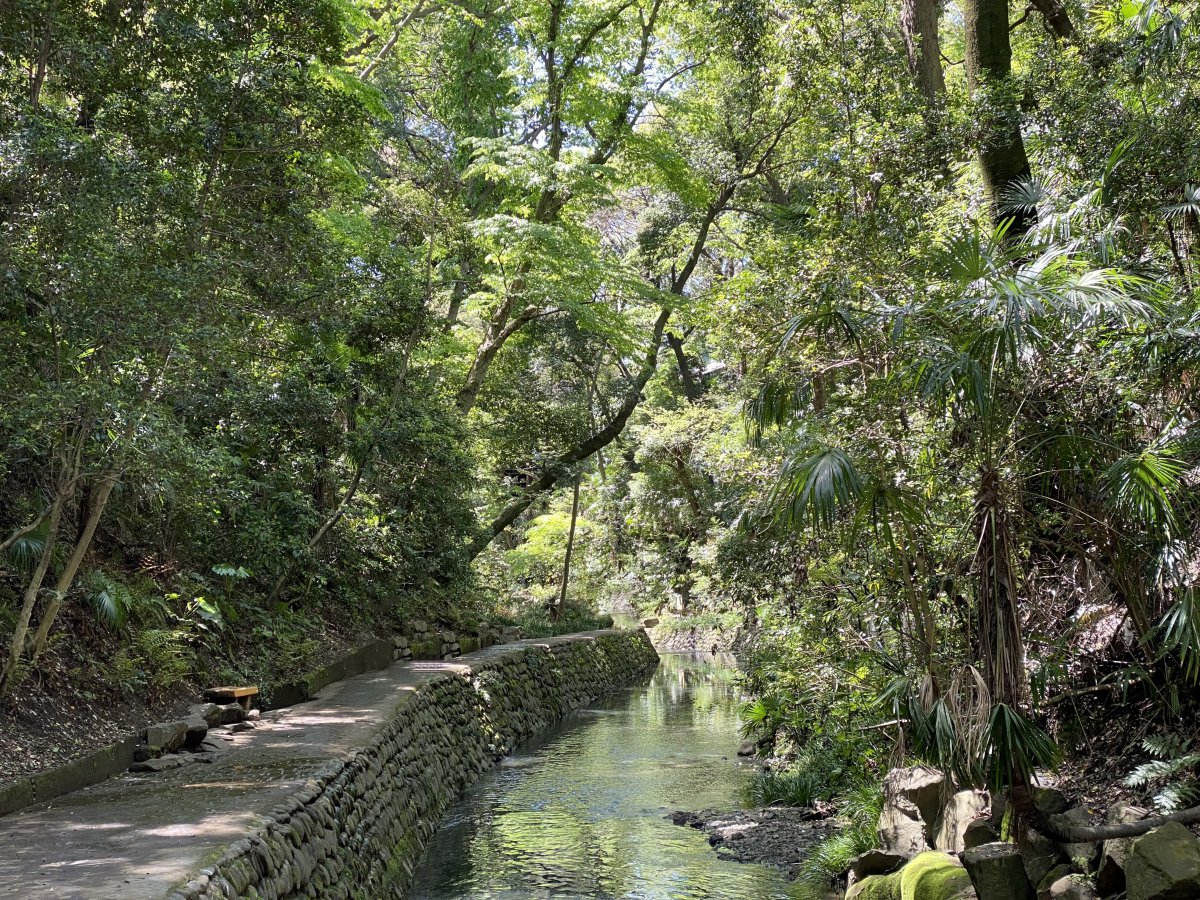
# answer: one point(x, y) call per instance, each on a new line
point(561, 467)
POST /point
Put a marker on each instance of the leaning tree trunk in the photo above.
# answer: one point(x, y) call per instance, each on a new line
point(1002, 157)
point(32, 590)
point(67, 578)
point(1057, 18)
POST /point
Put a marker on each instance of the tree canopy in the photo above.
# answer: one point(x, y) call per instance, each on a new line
point(875, 324)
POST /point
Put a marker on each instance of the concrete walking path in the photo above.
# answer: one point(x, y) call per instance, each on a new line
point(137, 836)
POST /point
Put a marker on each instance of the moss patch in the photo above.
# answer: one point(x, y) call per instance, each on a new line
point(933, 876)
point(876, 887)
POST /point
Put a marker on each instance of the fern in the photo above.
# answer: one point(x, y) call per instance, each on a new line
point(1171, 773)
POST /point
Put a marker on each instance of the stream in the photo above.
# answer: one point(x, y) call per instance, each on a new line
point(579, 812)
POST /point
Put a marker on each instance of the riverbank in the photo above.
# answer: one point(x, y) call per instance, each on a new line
point(780, 837)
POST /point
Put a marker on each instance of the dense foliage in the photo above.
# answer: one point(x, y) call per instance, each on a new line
point(342, 311)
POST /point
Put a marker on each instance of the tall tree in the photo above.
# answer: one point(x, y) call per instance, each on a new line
point(1001, 147)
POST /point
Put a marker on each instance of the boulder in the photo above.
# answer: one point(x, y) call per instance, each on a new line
point(747, 748)
point(209, 712)
point(901, 829)
point(1164, 864)
point(921, 786)
point(959, 811)
point(979, 832)
point(1072, 887)
point(935, 876)
point(912, 806)
point(231, 712)
point(1084, 853)
point(876, 862)
point(1110, 874)
point(162, 764)
point(1059, 872)
point(166, 736)
point(197, 731)
point(997, 872)
point(1039, 853)
point(1050, 801)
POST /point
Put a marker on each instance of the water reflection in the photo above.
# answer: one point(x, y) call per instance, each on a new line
point(580, 814)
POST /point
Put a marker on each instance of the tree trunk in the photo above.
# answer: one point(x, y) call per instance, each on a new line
point(1067, 831)
point(691, 389)
point(566, 575)
point(919, 24)
point(600, 439)
point(37, 77)
point(498, 331)
point(67, 578)
point(17, 645)
point(1056, 17)
point(1001, 650)
point(457, 296)
point(1002, 157)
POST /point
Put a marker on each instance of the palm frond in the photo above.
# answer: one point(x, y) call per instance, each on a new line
point(1189, 206)
point(1179, 633)
point(814, 489)
point(830, 320)
point(111, 601)
point(775, 405)
point(1016, 748)
point(1023, 195)
point(26, 550)
point(1142, 485)
point(954, 375)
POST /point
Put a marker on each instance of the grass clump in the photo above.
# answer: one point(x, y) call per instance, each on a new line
point(830, 859)
point(794, 788)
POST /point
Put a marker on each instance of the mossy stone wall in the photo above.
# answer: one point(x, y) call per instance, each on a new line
point(359, 827)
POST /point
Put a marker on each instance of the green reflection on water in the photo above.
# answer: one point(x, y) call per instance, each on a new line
point(580, 814)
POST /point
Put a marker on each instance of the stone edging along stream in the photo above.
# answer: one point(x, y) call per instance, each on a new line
point(358, 828)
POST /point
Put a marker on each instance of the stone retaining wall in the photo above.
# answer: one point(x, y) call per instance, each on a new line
point(358, 829)
point(694, 640)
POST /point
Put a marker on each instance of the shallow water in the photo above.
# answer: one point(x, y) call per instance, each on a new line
point(580, 813)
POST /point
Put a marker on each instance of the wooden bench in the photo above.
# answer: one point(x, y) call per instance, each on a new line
point(242, 695)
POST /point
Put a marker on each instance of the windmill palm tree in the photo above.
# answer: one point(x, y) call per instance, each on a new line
point(968, 355)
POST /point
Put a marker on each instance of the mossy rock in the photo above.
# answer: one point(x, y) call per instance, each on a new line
point(934, 876)
point(430, 649)
point(876, 887)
